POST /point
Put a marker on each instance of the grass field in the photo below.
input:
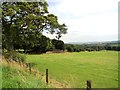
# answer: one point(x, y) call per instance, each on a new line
point(73, 69)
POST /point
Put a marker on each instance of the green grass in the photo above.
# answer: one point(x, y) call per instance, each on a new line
point(0, 72)
point(14, 76)
point(73, 69)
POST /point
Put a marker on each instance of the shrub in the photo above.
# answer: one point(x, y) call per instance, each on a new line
point(15, 56)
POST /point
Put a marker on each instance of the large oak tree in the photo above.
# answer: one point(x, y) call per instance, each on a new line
point(24, 22)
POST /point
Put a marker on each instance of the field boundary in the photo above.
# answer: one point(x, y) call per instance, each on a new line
point(52, 82)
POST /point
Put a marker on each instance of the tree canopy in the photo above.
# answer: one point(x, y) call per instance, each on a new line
point(24, 22)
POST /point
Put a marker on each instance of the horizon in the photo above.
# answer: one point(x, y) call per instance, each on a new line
point(94, 41)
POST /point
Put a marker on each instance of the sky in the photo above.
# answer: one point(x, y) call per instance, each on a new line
point(86, 20)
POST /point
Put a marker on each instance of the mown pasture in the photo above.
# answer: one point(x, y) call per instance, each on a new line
point(73, 69)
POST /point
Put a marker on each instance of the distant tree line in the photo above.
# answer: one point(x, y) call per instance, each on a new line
point(87, 47)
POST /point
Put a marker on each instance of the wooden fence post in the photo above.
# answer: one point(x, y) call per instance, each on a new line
point(89, 85)
point(30, 68)
point(46, 76)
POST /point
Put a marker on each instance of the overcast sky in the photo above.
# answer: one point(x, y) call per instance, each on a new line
point(87, 20)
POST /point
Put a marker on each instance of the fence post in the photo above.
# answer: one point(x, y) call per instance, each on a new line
point(30, 68)
point(89, 85)
point(46, 76)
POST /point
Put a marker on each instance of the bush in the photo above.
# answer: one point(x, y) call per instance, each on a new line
point(69, 49)
point(15, 56)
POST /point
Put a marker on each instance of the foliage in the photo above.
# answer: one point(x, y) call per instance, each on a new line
point(112, 47)
point(24, 22)
point(14, 76)
point(45, 44)
point(69, 48)
point(15, 56)
point(42, 45)
point(58, 44)
point(87, 47)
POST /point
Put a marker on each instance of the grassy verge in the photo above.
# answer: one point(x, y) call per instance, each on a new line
point(15, 76)
point(0, 72)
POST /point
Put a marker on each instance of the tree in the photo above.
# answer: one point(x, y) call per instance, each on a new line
point(44, 44)
point(54, 41)
point(69, 47)
point(24, 22)
point(58, 44)
point(54, 27)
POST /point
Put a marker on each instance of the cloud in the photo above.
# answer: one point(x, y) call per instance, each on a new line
point(87, 19)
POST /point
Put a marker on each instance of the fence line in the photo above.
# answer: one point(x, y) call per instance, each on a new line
point(88, 84)
point(46, 76)
point(88, 81)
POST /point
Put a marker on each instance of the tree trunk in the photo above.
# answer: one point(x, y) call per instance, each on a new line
point(9, 42)
point(10, 46)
